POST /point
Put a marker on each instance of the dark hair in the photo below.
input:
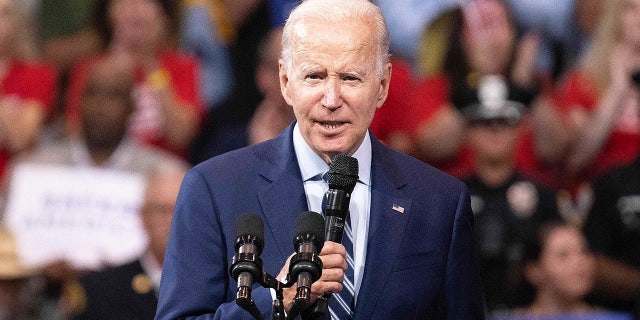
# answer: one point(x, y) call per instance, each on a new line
point(537, 241)
point(534, 245)
point(102, 25)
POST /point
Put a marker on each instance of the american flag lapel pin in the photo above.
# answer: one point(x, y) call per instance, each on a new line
point(398, 208)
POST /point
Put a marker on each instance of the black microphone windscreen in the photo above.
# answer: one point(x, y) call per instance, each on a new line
point(343, 172)
point(311, 223)
point(251, 224)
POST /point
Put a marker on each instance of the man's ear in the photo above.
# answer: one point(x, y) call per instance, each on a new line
point(384, 85)
point(284, 82)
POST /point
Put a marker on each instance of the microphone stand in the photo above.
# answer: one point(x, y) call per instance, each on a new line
point(277, 310)
point(246, 302)
point(300, 302)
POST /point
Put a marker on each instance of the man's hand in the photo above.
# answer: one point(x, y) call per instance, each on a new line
point(334, 264)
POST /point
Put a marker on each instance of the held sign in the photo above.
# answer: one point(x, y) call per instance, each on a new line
point(86, 216)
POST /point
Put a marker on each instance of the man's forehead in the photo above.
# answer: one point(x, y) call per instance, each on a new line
point(342, 38)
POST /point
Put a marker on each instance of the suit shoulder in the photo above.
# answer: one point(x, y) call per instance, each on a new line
point(238, 159)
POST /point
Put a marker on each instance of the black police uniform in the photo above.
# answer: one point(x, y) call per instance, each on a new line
point(613, 224)
point(505, 216)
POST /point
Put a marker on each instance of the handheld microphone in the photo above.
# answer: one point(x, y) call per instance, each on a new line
point(343, 176)
point(246, 266)
point(305, 266)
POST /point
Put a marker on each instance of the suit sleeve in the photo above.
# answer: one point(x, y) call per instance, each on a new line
point(195, 280)
point(463, 285)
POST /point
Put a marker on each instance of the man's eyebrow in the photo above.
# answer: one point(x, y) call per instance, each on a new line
point(310, 67)
point(355, 72)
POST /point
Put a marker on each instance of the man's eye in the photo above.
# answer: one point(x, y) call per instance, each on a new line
point(314, 76)
point(350, 78)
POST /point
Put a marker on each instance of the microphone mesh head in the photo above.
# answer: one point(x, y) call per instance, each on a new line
point(310, 223)
point(251, 224)
point(343, 173)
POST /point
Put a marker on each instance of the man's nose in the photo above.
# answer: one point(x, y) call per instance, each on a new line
point(332, 98)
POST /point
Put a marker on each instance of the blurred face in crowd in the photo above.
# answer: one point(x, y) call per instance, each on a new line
point(267, 69)
point(334, 83)
point(106, 107)
point(488, 36)
point(6, 25)
point(631, 22)
point(566, 267)
point(157, 211)
point(493, 140)
point(137, 23)
point(587, 14)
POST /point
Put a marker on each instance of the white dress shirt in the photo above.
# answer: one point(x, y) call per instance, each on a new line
point(311, 165)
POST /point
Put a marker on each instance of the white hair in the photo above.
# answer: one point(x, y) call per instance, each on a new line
point(332, 12)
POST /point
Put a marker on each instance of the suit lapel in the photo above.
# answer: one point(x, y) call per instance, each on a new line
point(390, 211)
point(284, 198)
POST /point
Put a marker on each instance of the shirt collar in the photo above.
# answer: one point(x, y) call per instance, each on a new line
point(311, 165)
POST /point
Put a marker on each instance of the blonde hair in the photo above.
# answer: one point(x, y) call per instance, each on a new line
point(607, 33)
point(334, 11)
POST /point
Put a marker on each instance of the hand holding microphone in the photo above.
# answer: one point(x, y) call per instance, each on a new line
point(343, 176)
point(313, 275)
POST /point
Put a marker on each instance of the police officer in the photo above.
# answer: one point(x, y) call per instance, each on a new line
point(507, 206)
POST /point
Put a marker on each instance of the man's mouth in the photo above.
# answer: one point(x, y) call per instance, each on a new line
point(331, 125)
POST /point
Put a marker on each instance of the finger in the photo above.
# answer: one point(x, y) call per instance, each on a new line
point(331, 247)
point(333, 261)
point(320, 288)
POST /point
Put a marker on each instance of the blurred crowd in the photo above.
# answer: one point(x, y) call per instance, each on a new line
point(535, 104)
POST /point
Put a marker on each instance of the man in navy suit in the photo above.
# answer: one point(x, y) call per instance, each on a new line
point(412, 225)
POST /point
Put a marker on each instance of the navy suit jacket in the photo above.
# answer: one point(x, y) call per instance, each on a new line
point(420, 264)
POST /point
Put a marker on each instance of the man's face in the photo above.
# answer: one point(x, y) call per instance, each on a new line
point(105, 111)
point(157, 211)
point(333, 84)
point(493, 140)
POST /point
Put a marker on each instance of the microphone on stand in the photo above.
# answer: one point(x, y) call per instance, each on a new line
point(343, 176)
point(246, 266)
point(305, 266)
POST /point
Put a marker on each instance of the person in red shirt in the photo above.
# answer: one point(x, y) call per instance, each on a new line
point(599, 97)
point(417, 118)
point(27, 86)
point(138, 35)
